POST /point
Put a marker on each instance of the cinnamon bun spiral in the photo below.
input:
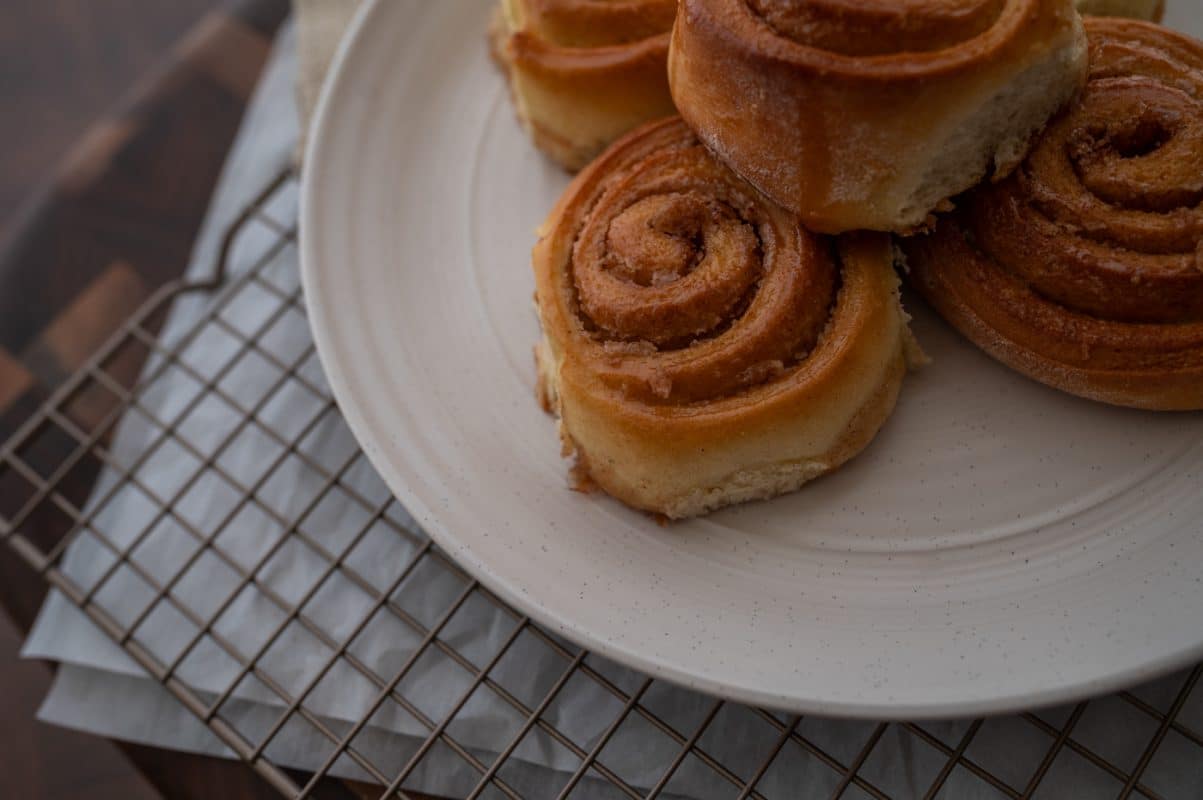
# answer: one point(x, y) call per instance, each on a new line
point(1084, 270)
point(870, 114)
point(584, 72)
point(700, 347)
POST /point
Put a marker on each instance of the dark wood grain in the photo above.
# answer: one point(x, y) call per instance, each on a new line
point(119, 219)
point(137, 187)
point(62, 64)
point(116, 220)
point(49, 763)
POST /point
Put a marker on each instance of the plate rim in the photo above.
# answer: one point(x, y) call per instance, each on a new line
point(318, 318)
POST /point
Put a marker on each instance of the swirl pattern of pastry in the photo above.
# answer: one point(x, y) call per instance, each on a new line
point(870, 114)
point(584, 72)
point(700, 347)
point(1084, 270)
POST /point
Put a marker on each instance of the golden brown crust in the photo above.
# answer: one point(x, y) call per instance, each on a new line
point(1084, 270)
point(840, 109)
point(593, 23)
point(1152, 10)
point(701, 346)
point(583, 72)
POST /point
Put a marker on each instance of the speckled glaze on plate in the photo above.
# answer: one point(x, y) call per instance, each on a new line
point(999, 546)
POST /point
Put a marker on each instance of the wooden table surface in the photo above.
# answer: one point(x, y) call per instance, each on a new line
point(117, 220)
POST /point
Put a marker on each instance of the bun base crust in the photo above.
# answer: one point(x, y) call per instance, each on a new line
point(994, 313)
point(763, 482)
point(684, 463)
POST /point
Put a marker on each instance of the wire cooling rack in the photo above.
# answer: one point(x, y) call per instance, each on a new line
point(1144, 743)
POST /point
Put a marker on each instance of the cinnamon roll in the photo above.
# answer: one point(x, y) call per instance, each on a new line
point(584, 72)
point(700, 347)
point(1137, 9)
point(1084, 270)
point(870, 114)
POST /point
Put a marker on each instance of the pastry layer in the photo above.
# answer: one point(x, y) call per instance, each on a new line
point(870, 114)
point(1084, 270)
point(700, 347)
point(584, 72)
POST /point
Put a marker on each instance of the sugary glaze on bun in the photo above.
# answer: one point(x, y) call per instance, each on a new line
point(870, 114)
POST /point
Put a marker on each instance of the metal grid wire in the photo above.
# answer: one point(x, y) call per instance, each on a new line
point(1158, 738)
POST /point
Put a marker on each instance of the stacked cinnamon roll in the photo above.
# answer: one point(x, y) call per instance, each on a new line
point(717, 292)
point(1084, 269)
point(584, 72)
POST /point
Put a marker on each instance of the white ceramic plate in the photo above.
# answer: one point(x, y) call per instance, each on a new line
point(1000, 546)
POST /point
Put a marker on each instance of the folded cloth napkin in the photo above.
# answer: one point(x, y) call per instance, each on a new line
point(320, 27)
